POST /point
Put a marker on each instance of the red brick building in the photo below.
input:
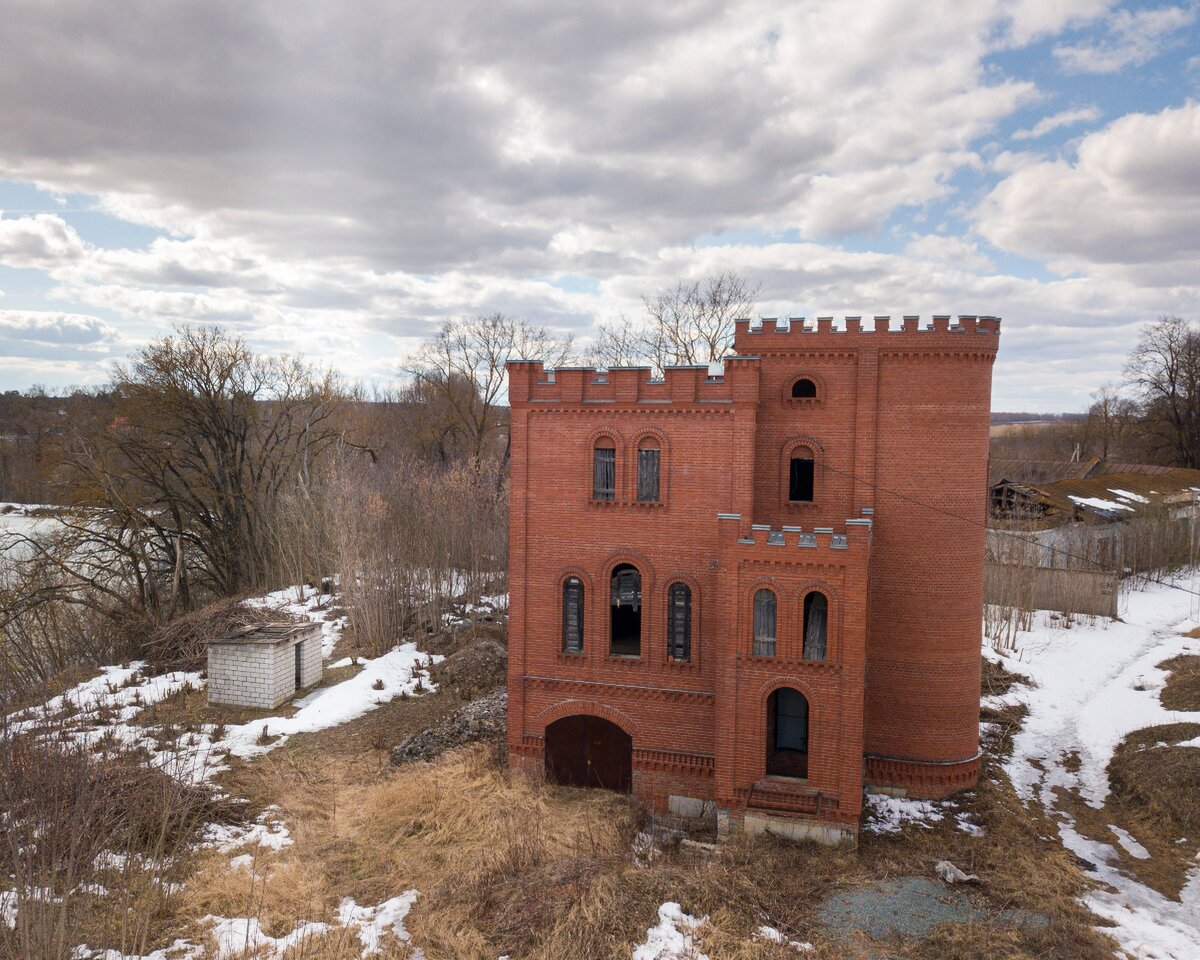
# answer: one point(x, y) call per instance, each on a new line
point(749, 595)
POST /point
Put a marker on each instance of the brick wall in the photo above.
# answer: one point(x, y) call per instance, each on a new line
point(900, 419)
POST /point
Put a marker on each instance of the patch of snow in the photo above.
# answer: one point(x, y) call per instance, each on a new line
point(243, 861)
point(1131, 846)
point(239, 935)
point(966, 825)
point(1095, 684)
point(771, 935)
point(1126, 495)
point(267, 831)
point(8, 908)
point(179, 950)
point(375, 923)
point(1099, 503)
point(890, 814)
point(673, 937)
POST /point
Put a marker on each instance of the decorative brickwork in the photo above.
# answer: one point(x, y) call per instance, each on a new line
point(893, 540)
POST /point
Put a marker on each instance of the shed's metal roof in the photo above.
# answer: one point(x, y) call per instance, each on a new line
point(268, 633)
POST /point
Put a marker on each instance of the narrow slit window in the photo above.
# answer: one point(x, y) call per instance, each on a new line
point(816, 626)
point(764, 624)
point(648, 471)
point(573, 615)
point(679, 621)
point(604, 473)
point(800, 479)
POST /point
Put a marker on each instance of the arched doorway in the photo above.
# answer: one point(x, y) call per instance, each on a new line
point(587, 751)
point(787, 734)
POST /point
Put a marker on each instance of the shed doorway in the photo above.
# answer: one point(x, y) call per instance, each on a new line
point(587, 751)
point(787, 734)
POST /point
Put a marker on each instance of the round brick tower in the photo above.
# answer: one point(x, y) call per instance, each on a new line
point(921, 730)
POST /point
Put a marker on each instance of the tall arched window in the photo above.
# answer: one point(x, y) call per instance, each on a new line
point(604, 470)
point(648, 471)
point(801, 477)
point(572, 641)
point(679, 621)
point(764, 623)
point(626, 611)
point(816, 625)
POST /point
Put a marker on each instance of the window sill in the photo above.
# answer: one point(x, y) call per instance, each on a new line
point(799, 506)
point(648, 504)
point(803, 401)
point(603, 503)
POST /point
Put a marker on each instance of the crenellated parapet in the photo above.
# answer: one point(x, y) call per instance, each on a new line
point(531, 382)
point(754, 541)
point(965, 333)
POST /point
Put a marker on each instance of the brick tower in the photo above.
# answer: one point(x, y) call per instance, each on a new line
point(746, 596)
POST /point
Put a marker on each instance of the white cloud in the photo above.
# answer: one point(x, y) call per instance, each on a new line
point(1067, 118)
point(45, 240)
point(1132, 38)
point(1128, 206)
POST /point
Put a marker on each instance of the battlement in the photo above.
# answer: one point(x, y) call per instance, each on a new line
point(763, 542)
point(942, 331)
point(531, 382)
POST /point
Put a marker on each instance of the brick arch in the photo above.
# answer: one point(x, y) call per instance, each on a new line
point(593, 708)
point(610, 433)
point(807, 374)
point(791, 443)
point(634, 558)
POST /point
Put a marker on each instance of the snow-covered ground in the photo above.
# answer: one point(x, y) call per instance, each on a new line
point(1095, 684)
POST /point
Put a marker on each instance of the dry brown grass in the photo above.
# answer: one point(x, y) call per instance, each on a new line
point(1182, 691)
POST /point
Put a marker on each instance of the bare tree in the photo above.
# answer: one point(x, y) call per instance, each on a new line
point(1165, 368)
point(462, 370)
point(1110, 419)
point(689, 324)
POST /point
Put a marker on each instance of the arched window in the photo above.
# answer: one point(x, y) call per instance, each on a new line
point(816, 625)
point(804, 389)
point(764, 624)
point(679, 621)
point(626, 612)
point(801, 477)
point(648, 471)
point(604, 470)
point(572, 615)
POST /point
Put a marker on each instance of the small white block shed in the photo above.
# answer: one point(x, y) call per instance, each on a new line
point(264, 664)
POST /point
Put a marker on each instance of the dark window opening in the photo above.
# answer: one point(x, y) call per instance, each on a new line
point(816, 625)
point(800, 480)
point(299, 664)
point(764, 624)
point(679, 621)
point(604, 473)
point(804, 389)
point(647, 483)
point(787, 734)
point(626, 612)
point(573, 615)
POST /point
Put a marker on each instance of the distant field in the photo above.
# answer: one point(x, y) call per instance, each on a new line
point(1007, 429)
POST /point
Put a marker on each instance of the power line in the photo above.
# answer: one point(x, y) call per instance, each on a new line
point(1014, 536)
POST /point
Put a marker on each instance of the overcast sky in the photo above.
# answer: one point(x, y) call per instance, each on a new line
point(334, 178)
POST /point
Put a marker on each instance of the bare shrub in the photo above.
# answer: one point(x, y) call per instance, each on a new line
point(94, 842)
point(409, 541)
point(182, 644)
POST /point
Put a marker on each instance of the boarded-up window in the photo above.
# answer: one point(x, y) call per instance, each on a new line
point(764, 624)
point(573, 615)
point(816, 620)
point(604, 473)
point(800, 480)
point(648, 464)
point(679, 621)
